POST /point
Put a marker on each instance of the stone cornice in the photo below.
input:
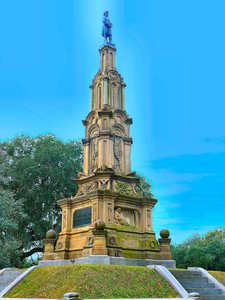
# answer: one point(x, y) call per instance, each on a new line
point(108, 134)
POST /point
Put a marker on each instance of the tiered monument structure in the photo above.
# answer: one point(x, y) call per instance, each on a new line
point(109, 215)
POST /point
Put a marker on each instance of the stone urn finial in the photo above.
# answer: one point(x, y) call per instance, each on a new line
point(99, 242)
point(51, 234)
point(164, 242)
point(49, 242)
point(164, 233)
point(99, 225)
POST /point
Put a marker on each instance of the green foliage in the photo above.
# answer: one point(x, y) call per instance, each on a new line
point(205, 251)
point(93, 281)
point(40, 171)
point(220, 276)
point(124, 188)
point(11, 216)
point(144, 187)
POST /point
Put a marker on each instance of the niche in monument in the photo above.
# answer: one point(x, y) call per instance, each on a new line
point(82, 217)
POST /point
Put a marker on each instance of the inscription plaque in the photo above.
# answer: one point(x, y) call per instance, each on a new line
point(82, 217)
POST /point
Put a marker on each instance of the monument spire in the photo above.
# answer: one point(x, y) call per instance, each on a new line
point(108, 115)
point(108, 87)
point(109, 215)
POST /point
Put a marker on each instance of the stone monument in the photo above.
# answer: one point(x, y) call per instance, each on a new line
point(108, 215)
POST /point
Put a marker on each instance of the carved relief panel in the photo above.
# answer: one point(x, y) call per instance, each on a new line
point(94, 154)
point(149, 219)
point(118, 151)
point(110, 214)
point(124, 216)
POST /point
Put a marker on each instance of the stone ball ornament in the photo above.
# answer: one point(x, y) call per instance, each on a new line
point(51, 234)
point(164, 233)
point(99, 225)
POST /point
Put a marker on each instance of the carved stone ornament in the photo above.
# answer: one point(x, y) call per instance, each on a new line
point(113, 76)
point(112, 241)
point(117, 147)
point(123, 188)
point(59, 246)
point(90, 241)
point(94, 154)
point(99, 77)
point(119, 218)
point(118, 129)
point(125, 216)
point(93, 120)
point(93, 130)
point(104, 183)
point(87, 187)
point(152, 244)
point(118, 119)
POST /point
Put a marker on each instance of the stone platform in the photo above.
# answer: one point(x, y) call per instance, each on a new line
point(108, 260)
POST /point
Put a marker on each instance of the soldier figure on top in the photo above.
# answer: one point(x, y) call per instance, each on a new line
point(106, 30)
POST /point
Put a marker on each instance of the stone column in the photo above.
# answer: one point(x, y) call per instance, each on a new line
point(127, 160)
point(49, 244)
point(165, 242)
point(123, 102)
point(99, 243)
point(106, 90)
point(86, 169)
point(147, 218)
point(91, 97)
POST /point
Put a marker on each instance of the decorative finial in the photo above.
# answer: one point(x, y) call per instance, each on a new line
point(106, 30)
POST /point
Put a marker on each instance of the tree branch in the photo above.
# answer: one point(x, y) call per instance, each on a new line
point(32, 251)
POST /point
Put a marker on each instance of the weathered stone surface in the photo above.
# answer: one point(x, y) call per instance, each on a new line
point(51, 234)
point(108, 189)
point(164, 233)
point(99, 225)
point(105, 259)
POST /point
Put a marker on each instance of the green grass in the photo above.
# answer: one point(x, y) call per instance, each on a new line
point(93, 281)
point(219, 275)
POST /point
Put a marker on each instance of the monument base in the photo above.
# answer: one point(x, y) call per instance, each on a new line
point(108, 260)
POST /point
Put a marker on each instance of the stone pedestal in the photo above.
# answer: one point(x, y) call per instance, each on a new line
point(99, 243)
point(49, 247)
point(165, 248)
point(128, 223)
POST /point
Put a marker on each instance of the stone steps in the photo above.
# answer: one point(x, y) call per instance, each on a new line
point(8, 276)
point(186, 273)
point(204, 291)
point(195, 282)
point(212, 297)
point(192, 279)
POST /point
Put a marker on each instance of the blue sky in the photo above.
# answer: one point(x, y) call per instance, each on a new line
point(171, 55)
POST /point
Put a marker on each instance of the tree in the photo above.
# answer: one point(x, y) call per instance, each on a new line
point(11, 215)
point(35, 173)
point(205, 251)
point(40, 171)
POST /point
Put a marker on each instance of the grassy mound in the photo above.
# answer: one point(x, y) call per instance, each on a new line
point(219, 275)
point(93, 281)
